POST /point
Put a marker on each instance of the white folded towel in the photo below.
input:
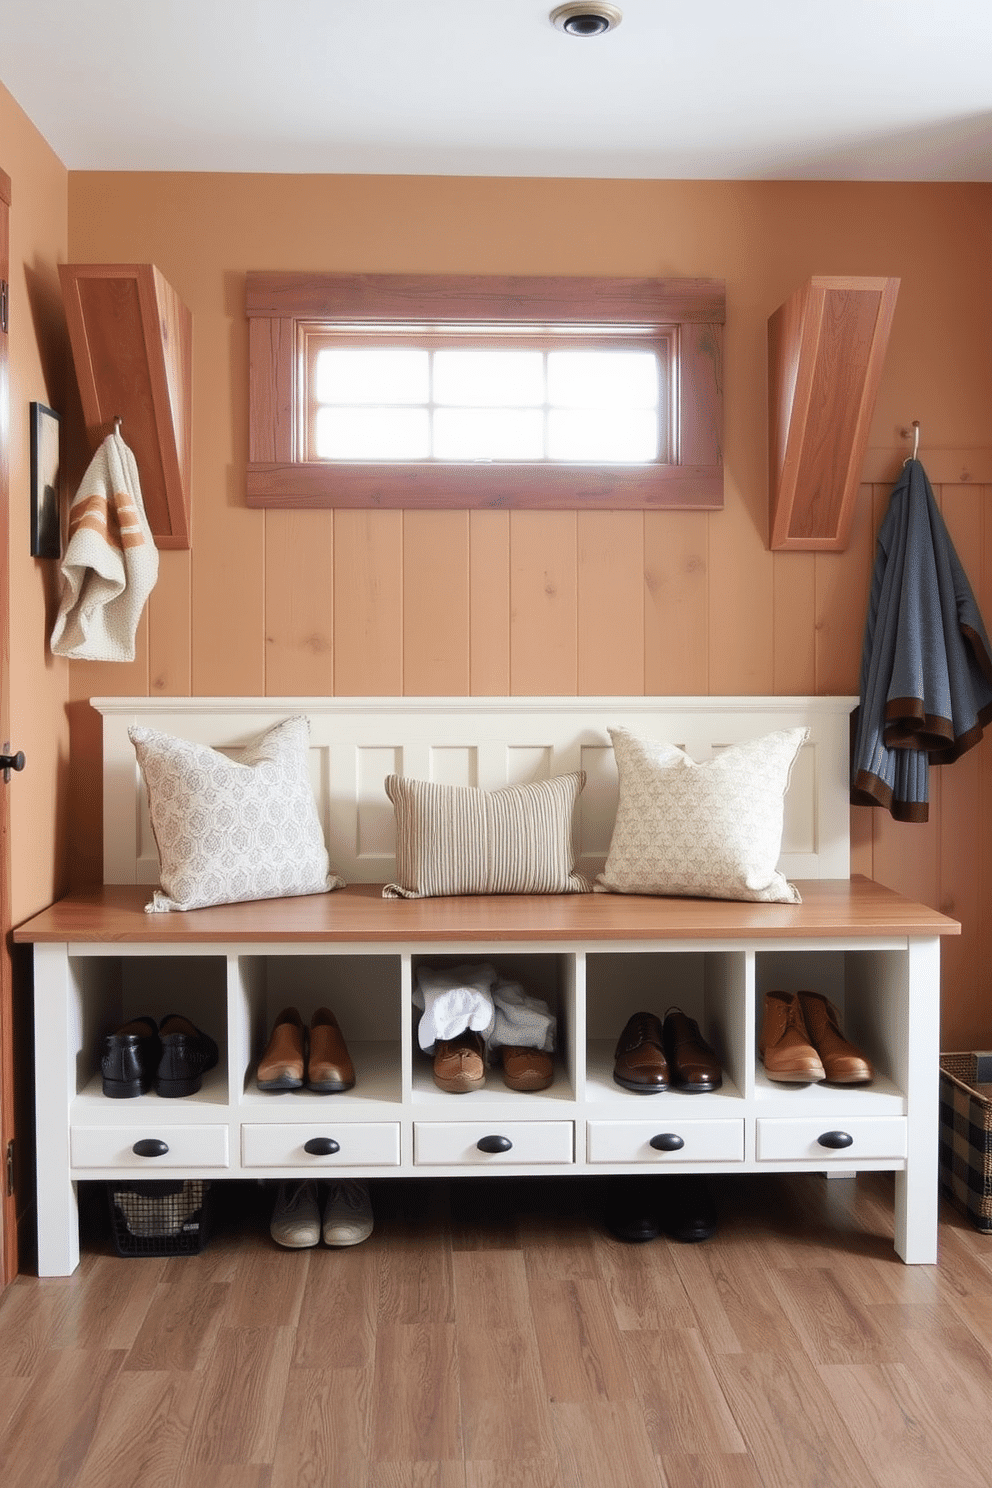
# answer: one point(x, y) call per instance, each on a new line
point(454, 998)
point(111, 561)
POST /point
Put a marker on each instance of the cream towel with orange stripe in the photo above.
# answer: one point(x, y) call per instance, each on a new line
point(111, 561)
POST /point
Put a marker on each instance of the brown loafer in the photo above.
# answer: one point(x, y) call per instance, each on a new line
point(639, 1060)
point(281, 1066)
point(526, 1069)
point(693, 1065)
point(843, 1061)
point(459, 1063)
point(785, 1047)
point(329, 1066)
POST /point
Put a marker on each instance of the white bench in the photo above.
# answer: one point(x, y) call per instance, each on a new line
point(596, 958)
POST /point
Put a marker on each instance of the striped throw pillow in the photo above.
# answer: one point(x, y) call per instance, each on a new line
point(458, 839)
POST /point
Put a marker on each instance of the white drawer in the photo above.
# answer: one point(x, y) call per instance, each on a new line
point(362, 1144)
point(678, 1141)
point(113, 1147)
point(782, 1139)
point(458, 1142)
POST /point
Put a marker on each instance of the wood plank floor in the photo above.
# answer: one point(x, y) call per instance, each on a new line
point(491, 1334)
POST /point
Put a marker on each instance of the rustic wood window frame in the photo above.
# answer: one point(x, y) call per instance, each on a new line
point(687, 315)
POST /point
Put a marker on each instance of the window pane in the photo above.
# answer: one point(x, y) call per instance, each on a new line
point(488, 434)
point(372, 434)
point(613, 435)
point(489, 378)
point(375, 374)
point(603, 379)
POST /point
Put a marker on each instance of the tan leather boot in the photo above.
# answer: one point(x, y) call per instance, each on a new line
point(843, 1061)
point(281, 1066)
point(329, 1066)
point(785, 1046)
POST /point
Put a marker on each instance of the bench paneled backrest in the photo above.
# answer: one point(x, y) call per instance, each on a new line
point(489, 742)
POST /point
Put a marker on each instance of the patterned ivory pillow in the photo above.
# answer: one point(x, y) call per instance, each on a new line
point(230, 830)
point(458, 839)
point(711, 830)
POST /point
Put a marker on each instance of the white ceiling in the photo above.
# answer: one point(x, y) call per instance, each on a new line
point(706, 89)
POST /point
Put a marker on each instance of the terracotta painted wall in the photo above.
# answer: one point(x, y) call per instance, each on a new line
point(38, 345)
point(561, 603)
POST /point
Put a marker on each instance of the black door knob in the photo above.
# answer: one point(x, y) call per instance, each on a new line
point(10, 762)
point(494, 1144)
point(667, 1142)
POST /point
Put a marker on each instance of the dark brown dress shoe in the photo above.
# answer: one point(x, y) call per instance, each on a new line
point(692, 1064)
point(329, 1066)
point(639, 1060)
point(281, 1066)
point(785, 1047)
point(844, 1063)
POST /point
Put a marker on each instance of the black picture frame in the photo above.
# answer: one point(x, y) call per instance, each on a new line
point(46, 508)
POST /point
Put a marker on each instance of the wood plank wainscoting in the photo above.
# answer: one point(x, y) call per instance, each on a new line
point(495, 1336)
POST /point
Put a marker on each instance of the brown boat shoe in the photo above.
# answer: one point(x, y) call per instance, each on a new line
point(459, 1063)
point(329, 1066)
point(526, 1068)
point(281, 1066)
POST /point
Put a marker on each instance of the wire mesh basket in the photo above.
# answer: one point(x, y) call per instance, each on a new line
point(158, 1218)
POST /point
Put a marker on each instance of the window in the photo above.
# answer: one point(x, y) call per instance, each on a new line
point(393, 391)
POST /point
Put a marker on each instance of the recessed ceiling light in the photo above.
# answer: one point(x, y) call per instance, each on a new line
point(582, 18)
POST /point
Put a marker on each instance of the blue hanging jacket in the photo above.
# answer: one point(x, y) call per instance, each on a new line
point(926, 666)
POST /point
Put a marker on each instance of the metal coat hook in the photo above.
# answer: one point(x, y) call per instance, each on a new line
point(117, 423)
point(916, 441)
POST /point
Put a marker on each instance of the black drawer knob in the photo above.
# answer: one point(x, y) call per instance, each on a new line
point(494, 1144)
point(667, 1142)
point(150, 1147)
point(321, 1146)
point(836, 1139)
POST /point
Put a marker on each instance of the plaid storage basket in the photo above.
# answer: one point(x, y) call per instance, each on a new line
point(965, 1153)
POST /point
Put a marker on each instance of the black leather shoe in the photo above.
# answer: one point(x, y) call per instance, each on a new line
point(639, 1059)
point(687, 1209)
point(692, 1064)
point(632, 1215)
point(187, 1053)
point(129, 1058)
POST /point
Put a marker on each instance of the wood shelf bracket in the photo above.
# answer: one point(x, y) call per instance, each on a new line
point(826, 350)
point(132, 345)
